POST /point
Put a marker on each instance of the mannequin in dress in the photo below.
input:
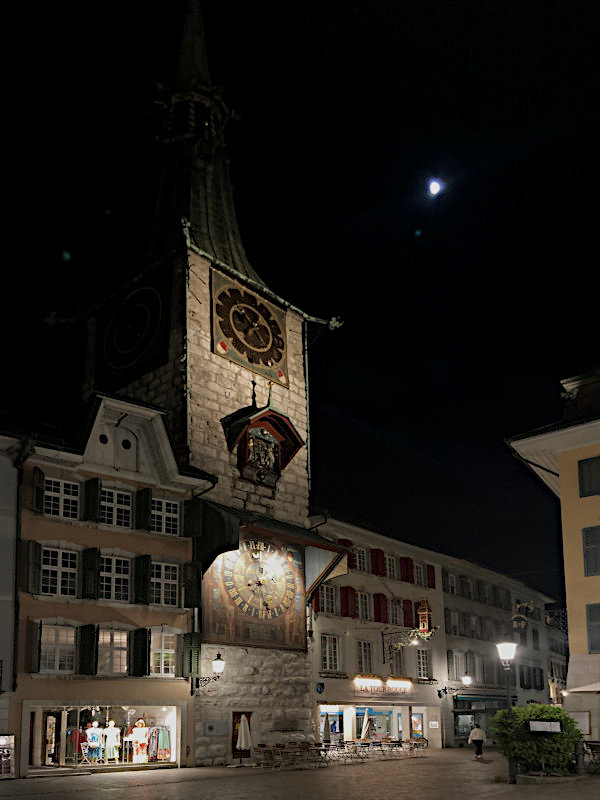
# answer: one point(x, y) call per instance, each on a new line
point(139, 737)
point(112, 742)
point(94, 737)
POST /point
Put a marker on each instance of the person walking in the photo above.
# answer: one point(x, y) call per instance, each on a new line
point(477, 737)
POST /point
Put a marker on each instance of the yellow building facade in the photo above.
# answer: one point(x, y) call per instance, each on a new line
point(566, 456)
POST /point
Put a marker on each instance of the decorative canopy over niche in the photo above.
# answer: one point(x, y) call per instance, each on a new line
point(266, 442)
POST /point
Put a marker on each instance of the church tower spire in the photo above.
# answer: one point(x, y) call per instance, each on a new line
point(194, 182)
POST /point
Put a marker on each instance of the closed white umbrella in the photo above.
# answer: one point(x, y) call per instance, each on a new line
point(366, 727)
point(326, 729)
point(244, 740)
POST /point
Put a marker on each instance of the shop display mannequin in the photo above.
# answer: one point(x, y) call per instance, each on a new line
point(112, 742)
point(94, 737)
point(139, 737)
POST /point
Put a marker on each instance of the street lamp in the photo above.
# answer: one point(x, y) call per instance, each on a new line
point(218, 665)
point(467, 680)
point(506, 651)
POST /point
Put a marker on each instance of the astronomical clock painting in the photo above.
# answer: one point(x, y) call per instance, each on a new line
point(255, 596)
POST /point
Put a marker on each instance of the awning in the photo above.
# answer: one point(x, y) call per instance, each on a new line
point(591, 687)
point(215, 529)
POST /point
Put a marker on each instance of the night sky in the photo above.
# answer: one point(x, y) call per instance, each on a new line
point(461, 313)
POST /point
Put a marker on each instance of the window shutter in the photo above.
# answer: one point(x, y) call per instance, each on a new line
point(479, 590)
point(406, 570)
point(88, 649)
point(140, 646)
point(348, 601)
point(89, 573)
point(593, 626)
point(348, 543)
point(316, 606)
point(430, 576)
point(192, 585)
point(32, 645)
point(30, 566)
point(377, 562)
point(445, 581)
point(91, 500)
point(143, 509)
point(589, 476)
point(448, 620)
point(450, 660)
point(192, 518)
point(39, 486)
point(191, 652)
point(142, 577)
point(506, 601)
point(591, 550)
point(380, 607)
point(408, 613)
point(462, 586)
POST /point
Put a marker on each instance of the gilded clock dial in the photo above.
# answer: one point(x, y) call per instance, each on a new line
point(259, 579)
point(250, 327)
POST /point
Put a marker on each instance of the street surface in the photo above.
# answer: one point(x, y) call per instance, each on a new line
point(447, 774)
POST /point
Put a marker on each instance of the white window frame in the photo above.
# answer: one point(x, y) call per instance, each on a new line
point(330, 653)
point(115, 644)
point(62, 652)
point(165, 516)
point(458, 665)
point(327, 599)
point(395, 612)
point(363, 606)
point(451, 583)
point(163, 653)
point(360, 559)
point(469, 588)
point(364, 656)
point(391, 567)
point(65, 571)
point(116, 508)
point(420, 574)
point(118, 577)
point(423, 663)
point(61, 498)
point(398, 666)
point(165, 585)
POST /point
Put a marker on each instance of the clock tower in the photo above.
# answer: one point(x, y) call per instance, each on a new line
point(199, 334)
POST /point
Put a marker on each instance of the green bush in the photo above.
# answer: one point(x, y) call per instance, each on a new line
point(534, 751)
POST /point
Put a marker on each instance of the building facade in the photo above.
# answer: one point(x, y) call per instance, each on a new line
point(369, 658)
point(566, 456)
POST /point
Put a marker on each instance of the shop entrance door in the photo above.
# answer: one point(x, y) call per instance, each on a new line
point(50, 738)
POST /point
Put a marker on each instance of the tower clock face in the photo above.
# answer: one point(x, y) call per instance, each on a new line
point(259, 580)
point(248, 330)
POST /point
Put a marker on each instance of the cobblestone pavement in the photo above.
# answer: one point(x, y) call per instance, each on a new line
point(446, 774)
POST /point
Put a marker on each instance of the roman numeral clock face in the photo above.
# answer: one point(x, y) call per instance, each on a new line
point(259, 580)
point(248, 330)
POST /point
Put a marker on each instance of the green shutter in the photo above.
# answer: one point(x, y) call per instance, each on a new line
point(88, 649)
point(91, 500)
point(142, 578)
point(33, 634)
point(191, 651)
point(140, 640)
point(39, 487)
point(89, 574)
point(593, 626)
point(143, 509)
point(192, 586)
point(30, 566)
point(589, 476)
point(445, 581)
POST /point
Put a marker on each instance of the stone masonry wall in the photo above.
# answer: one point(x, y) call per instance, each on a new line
point(272, 685)
point(218, 387)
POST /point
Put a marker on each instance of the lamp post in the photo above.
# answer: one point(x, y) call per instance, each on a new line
point(506, 651)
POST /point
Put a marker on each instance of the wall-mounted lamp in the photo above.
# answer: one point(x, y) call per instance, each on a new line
point(218, 665)
point(466, 680)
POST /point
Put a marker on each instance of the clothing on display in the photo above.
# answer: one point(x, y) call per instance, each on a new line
point(139, 737)
point(159, 744)
point(94, 738)
point(112, 742)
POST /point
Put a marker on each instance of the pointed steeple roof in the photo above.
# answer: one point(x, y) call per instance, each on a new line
point(195, 185)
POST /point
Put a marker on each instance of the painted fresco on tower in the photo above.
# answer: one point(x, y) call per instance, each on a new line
point(255, 596)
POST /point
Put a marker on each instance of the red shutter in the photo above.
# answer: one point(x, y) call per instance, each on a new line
point(347, 543)
point(380, 607)
point(431, 576)
point(377, 562)
point(315, 601)
point(408, 613)
point(348, 601)
point(406, 570)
